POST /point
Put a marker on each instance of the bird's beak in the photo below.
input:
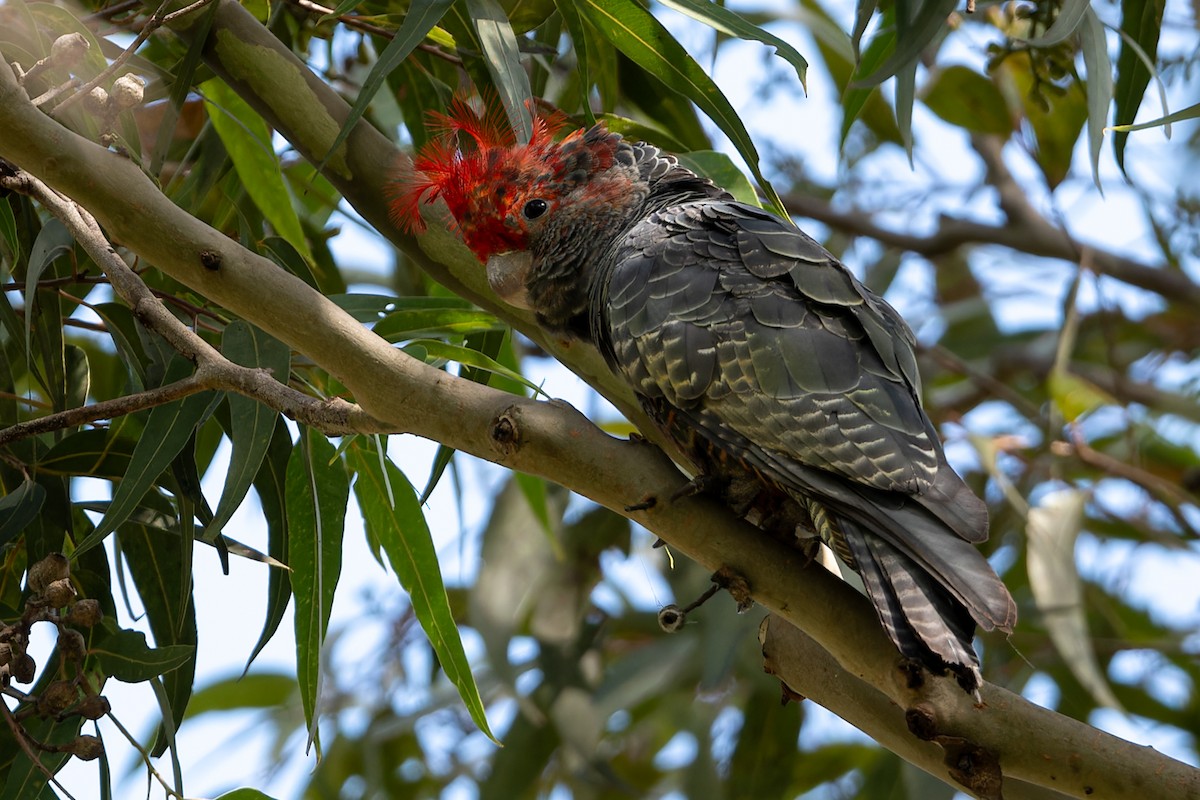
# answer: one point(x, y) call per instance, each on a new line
point(506, 274)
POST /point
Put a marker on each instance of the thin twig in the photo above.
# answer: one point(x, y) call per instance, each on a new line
point(171, 792)
point(357, 23)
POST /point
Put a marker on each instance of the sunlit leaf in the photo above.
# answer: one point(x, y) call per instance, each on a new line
point(248, 140)
point(967, 99)
point(1191, 112)
point(1053, 526)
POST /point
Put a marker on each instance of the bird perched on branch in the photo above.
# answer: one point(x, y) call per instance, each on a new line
point(791, 386)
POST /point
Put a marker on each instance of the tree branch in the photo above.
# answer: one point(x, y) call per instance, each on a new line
point(545, 439)
point(1025, 231)
point(333, 417)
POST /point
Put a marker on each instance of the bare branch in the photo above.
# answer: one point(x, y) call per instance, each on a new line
point(1025, 231)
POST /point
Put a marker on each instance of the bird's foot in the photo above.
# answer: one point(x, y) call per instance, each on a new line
point(700, 484)
point(737, 586)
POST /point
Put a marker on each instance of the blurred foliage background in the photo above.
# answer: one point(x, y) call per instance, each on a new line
point(959, 163)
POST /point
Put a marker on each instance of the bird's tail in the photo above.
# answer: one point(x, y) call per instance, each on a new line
point(919, 614)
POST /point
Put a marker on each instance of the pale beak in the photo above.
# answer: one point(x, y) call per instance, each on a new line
point(506, 274)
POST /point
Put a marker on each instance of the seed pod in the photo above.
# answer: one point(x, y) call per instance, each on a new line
point(86, 748)
point(96, 101)
point(128, 91)
point(69, 49)
point(71, 644)
point(53, 567)
point(59, 593)
point(671, 618)
point(24, 668)
point(58, 697)
point(94, 707)
point(85, 613)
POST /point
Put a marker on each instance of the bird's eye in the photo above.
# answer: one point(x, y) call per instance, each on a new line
point(534, 209)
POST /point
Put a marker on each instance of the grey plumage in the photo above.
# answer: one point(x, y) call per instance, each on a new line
point(757, 350)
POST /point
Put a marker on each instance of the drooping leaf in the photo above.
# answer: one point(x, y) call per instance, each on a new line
point(251, 423)
point(503, 58)
point(422, 16)
point(1053, 526)
point(1141, 24)
point(404, 535)
point(168, 430)
point(730, 23)
point(318, 489)
point(271, 486)
point(914, 31)
point(1094, 47)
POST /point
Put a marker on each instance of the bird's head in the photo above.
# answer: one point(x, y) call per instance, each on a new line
point(523, 208)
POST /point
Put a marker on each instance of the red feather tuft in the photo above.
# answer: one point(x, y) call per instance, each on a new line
point(476, 165)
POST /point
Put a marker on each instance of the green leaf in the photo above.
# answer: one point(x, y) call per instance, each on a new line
point(765, 756)
point(1191, 112)
point(422, 16)
point(8, 229)
point(414, 322)
point(53, 241)
point(733, 24)
point(1141, 24)
point(1094, 47)
point(251, 423)
point(95, 452)
point(318, 489)
point(720, 169)
point(577, 28)
point(404, 535)
point(125, 656)
point(636, 33)
point(963, 97)
point(167, 432)
point(256, 690)
point(18, 508)
point(160, 567)
point(247, 139)
point(245, 794)
point(1070, 13)
point(855, 96)
point(915, 29)
point(435, 350)
point(503, 58)
point(271, 486)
